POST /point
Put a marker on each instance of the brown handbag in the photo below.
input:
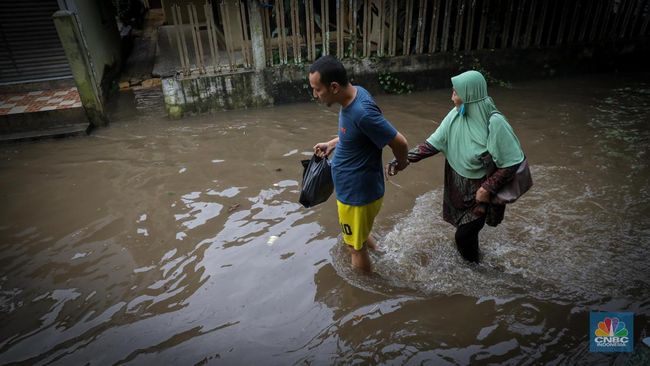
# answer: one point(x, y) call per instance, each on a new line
point(511, 191)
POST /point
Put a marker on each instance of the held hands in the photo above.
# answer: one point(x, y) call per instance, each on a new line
point(393, 167)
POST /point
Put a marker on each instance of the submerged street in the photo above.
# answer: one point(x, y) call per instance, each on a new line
point(182, 242)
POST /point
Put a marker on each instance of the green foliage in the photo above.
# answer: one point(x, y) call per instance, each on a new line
point(392, 85)
point(474, 64)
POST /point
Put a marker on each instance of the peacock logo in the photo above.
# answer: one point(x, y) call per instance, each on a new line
point(611, 327)
point(611, 331)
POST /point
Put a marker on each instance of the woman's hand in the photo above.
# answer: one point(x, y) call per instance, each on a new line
point(394, 167)
point(483, 195)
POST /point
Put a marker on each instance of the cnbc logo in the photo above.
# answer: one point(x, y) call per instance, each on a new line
point(611, 332)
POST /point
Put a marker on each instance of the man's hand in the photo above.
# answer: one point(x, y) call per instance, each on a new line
point(323, 149)
point(394, 167)
point(483, 195)
point(399, 145)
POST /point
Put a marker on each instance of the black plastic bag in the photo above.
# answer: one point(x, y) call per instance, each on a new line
point(317, 185)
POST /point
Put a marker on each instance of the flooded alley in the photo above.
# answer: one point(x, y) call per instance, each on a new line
point(182, 242)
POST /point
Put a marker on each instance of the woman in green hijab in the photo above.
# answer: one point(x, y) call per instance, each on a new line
point(472, 128)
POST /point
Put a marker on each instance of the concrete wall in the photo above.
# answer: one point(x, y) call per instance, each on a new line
point(289, 83)
point(205, 93)
point(101, 37)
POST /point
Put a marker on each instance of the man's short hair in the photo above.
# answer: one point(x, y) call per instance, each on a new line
point(330, 70)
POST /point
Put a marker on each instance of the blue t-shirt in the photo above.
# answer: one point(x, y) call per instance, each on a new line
point(357, 168)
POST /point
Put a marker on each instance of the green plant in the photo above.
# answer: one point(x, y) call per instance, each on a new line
point(474, 64)
point(392, 85)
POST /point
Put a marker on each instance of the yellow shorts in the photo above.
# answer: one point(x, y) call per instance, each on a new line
point(356, 221)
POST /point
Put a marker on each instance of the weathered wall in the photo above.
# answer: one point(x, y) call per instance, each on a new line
point(186, 96)
point(289, 83)
point(72, 39)
point(102, 40)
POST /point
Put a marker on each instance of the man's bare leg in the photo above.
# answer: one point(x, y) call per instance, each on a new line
point(371, 243)
point(360, 258)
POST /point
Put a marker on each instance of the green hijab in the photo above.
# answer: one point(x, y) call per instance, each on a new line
point(463, 134)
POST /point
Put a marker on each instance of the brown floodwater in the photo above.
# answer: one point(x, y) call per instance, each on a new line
point(182, 242)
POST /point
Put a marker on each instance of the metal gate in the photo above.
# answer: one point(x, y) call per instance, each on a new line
point(30, 49)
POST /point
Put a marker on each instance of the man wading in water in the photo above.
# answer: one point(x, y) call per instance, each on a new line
point(357, 168)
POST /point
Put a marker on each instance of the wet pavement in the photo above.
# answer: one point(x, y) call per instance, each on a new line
point(182, 242)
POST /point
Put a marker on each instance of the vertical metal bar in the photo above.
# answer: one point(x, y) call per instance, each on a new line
point(380, 45)
point(637, 16)
point(366, 21)
point(516, 32)
point(407, 28)
point(198, 48)
point(324, 37)
point(626, 18)
point(227, 30)
point(433, 34)
point(606, 19)
point(282, 29)
point(394, 25)
point(198, 37)
point(186, 54)
point(619, 10)
point(208, 26)
point(444, 42)
point(353, 27)
point(506, 26)
point(576, 19)
point(594, 24)
point(308, 29)
point(483, 26)
point(419, 36)
point(313, 12)
point(339, 29)
point(469, 31)
point(345, 26)
point(294, 25)
point(585, 21)
point(552, 25)
point(389, 26)
point(327, 26)
point(279, 22)
point(369, 25)
point(541, 24)
point(266, 30)
point(177, 32)
point(560, 32)
point(644, 26)
point(529, 23)
point(226, 34)
point(493, 30)
point(458, 32)
point(312, 25)
point(248, 59)
point(298, 35)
